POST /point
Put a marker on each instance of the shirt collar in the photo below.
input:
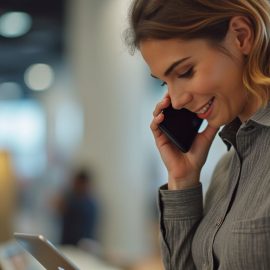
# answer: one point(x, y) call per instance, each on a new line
point(228, 132)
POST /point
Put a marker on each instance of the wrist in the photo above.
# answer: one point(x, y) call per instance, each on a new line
point(174, 184)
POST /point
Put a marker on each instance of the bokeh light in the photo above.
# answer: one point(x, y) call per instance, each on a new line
point(15, 24)
point(39, 77)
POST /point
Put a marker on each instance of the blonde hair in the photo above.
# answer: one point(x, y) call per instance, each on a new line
point(207, 19)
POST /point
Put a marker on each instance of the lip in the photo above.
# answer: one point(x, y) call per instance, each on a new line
point(212, 98)
point(208, 112)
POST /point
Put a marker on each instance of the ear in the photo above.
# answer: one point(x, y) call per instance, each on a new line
point(242, 32)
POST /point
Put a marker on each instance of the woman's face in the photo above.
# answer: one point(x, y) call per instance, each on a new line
point(200, 78)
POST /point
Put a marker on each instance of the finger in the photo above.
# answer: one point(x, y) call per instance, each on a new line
point(164, 103)
point(155, 123)
point(157, 133)
point(155, 126)
point(166, 95)
point(205, 139)
point(202, 144)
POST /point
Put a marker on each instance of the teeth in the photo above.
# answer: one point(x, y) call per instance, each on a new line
point(206, 107)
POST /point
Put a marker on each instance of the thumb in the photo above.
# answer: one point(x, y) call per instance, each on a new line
point(209, 133)
point(205, 139)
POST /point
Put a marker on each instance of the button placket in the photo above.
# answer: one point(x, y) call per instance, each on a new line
point(219, 222)
point(206, 266)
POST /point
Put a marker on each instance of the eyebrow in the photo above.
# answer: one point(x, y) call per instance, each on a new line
point(172, 67)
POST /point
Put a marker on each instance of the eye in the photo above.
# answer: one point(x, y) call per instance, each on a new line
point(163, 83)
point(187, 74)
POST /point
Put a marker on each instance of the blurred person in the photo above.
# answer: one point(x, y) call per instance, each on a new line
point(214, 58)
point(78, 210)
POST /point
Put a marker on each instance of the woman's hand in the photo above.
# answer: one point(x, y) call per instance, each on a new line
point(183, 168)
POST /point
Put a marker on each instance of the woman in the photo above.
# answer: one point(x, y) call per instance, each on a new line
point(213, 55)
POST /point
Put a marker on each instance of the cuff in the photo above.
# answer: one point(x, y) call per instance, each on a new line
point(181, 204)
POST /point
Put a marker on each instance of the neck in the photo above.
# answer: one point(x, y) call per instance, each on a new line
point(251, 107)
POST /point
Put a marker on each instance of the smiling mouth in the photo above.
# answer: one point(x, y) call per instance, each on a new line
point(206, 107)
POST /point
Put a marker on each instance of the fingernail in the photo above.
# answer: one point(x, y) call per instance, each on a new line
point(160, 116)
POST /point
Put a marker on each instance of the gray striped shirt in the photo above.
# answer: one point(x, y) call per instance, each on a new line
point(231, 230)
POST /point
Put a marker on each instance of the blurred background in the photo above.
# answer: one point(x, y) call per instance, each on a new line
point(75, 146)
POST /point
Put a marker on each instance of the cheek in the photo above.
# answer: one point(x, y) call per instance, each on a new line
point(220, 73)
point(226, 83)
point(211, 78)
point(206, 85)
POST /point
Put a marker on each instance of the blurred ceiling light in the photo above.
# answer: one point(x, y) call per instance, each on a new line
point(39, 77)
point(10, 90)
point(15, 24)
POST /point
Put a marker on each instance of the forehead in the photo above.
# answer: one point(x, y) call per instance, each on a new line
point(151, 47)
point(158, 54)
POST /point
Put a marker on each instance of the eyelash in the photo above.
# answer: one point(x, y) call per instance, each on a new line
point(163, 83)
point(187, 74)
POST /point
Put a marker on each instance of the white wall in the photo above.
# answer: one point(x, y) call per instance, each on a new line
point(108, 84)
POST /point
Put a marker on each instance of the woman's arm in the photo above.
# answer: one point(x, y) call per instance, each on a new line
point(180, 214)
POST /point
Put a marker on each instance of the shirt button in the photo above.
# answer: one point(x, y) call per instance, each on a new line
point(249, 128)
point(206, 266)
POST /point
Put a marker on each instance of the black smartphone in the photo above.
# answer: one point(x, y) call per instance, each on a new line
point(181, 127)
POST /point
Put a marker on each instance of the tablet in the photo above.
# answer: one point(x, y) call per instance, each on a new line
point(44, 251)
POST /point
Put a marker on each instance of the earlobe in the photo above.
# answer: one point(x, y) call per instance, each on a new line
point(243, 33)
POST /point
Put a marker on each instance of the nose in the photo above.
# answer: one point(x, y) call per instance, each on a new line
point(181, 100)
